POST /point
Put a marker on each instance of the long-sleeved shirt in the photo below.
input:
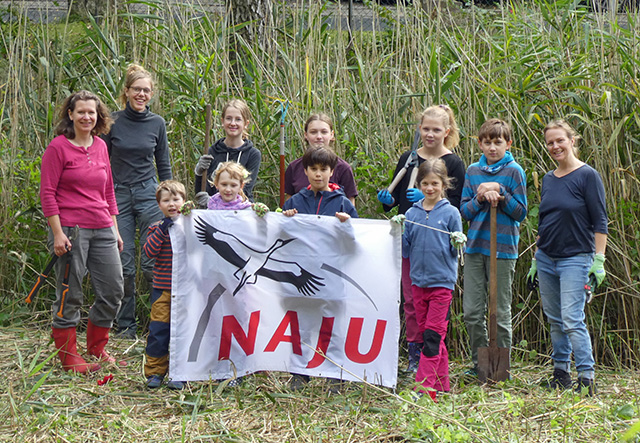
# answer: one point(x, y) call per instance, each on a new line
point(511, 211)
point(76, 184)
point(135, 140)
point(158, 246)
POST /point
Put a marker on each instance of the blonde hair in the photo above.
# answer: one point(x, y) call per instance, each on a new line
point(245, 112)
point(135, 72)
point(173, 187)
point(319, 116)
point(567, 128)
point(444, 113)
point(438, 167)
point(236, 171)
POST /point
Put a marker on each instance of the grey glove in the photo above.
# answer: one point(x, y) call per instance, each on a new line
point(203, 164)
point(202, 199)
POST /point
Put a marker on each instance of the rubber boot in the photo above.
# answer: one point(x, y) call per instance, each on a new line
point(65, 341)
point(97, 339)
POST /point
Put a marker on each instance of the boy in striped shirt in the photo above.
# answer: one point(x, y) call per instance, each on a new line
point(495, 180)
point(170, 195)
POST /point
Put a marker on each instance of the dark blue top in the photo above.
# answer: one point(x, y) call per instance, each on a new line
point(321, 203)
point(572, 210)
point(137, 139)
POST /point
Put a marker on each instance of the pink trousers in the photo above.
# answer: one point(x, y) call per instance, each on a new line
point(432, 314)
point(414, 335)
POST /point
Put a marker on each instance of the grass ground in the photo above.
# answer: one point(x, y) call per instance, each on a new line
point(41, 403)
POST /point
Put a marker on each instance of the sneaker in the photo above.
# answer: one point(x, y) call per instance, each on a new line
point(586, 386)
point(561, 379)
point(334, 386)
point(472, 372)
point(414, 350)
point(176, 385)
point(235, 382)
point(154, 381)
point(298, 381)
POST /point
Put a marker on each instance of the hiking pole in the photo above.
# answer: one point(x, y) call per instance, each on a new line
point(207, 142)
point(284, 107)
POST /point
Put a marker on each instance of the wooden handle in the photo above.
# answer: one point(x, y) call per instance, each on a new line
point(207, 142)
point(493, 280)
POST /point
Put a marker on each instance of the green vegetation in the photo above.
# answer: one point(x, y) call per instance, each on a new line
point(526, 63)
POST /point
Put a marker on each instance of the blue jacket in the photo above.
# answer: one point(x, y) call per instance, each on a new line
point(434, 262)
point(321, 203)
point(511, 211)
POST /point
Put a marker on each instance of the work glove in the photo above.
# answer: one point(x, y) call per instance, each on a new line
point(399, 219)
point(458, 239)
point(260, 209)
point(165, 223)
point(597, 269)
point(187, 207)
point(414, 195)
point(203, 164)
point(532, 276)
point(202, 199)
point(385, 197)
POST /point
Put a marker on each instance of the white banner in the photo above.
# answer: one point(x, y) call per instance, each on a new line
point(276, 293)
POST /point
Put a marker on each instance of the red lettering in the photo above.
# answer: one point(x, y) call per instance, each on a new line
point(351, 346)
point(231, 327)
point(290, 319)
point(326, 328)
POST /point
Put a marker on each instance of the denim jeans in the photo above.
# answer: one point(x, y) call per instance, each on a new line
point(138, 210)
point(563, 297)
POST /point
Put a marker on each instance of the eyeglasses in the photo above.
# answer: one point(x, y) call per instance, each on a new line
point(137, 90)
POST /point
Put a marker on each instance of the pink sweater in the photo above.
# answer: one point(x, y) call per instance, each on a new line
point(76, 184)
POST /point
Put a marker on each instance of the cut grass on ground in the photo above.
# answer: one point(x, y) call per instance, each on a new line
point(42, 403)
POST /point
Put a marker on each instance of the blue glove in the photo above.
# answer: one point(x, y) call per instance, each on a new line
point(164, 224)
point(385, 198)
point(414, 195)
point(597, 269)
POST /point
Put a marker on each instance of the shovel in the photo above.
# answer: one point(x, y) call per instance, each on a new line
point(493, 362)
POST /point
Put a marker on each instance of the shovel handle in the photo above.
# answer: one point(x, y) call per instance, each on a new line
point(493, 279)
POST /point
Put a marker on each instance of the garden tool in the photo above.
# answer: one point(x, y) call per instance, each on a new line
point(54, 258)
point(207, 142)
point(67, 270)
point(493, 362)
point(284, 107)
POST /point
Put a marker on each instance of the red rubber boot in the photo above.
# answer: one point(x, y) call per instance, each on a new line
point(97, 339)
point(65, 341)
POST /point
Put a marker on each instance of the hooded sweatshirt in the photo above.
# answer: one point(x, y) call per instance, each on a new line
point(511, 211)
point(321, 202)
point(434, 262)
point(247, 155)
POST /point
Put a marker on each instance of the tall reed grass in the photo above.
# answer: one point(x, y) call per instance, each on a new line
point(526, 63)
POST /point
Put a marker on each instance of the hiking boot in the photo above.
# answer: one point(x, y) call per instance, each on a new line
point(586, 386)
point(414, 357)
point(298, 381)
point(176, 385)
point(154, 381)
point(561, 379)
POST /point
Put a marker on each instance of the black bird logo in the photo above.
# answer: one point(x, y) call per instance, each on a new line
point(256, 262)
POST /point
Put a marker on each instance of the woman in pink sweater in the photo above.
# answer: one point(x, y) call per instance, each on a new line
point(76, 192)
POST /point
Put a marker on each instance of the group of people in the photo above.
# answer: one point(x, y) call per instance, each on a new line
point(106, 177)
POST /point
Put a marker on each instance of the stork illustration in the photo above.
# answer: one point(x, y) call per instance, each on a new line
point(253, 263)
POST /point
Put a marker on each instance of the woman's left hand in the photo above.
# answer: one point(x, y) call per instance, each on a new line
point(120, 243)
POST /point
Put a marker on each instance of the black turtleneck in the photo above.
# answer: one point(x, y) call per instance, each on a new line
point(135, 139)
